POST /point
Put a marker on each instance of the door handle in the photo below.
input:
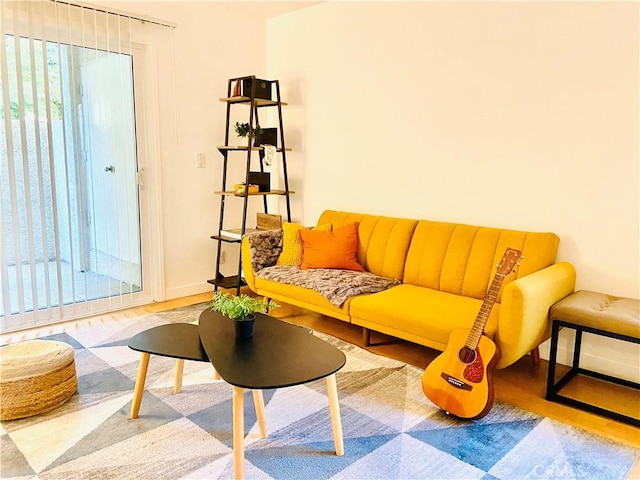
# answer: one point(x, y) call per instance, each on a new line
point(110, 168)
point(140, 178)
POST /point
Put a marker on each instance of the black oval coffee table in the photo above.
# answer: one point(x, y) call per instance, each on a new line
point(278, 355)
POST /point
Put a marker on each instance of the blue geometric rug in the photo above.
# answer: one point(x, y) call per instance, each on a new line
point(391, 430)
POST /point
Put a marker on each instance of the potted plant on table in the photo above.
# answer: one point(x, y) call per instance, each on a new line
point(241, 309)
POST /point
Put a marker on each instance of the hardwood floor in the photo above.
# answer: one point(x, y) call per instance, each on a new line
point(521, 384)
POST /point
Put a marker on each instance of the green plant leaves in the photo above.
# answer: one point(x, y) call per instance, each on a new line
point(238, 307)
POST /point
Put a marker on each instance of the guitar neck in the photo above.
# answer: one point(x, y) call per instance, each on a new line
point(483, 315)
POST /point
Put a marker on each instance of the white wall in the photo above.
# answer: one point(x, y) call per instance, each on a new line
point(506, 114)
point(213, 42)
point(520, 115)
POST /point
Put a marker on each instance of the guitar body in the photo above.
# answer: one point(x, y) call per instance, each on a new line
point(460, 380)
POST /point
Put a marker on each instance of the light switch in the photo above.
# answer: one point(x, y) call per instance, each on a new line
point(200, 160)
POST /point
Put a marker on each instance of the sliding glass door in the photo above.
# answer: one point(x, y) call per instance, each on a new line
point(69, 199)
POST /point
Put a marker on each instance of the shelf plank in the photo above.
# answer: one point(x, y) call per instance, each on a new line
point(272, 192)
point(260, 102)
point(244, 148)
point(227, 282)
point(226, 239)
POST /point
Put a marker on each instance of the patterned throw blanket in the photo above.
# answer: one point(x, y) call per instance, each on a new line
point(335, 285)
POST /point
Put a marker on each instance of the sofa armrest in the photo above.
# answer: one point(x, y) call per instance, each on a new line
point(523, 322)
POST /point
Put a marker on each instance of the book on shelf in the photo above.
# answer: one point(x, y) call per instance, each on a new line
point(268, 221)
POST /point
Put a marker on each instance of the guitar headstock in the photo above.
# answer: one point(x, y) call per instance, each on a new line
point(509, 260)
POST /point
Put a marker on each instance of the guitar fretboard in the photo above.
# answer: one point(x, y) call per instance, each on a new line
point(483, 315)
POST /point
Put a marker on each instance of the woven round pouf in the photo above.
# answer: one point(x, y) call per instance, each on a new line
point(35, 376)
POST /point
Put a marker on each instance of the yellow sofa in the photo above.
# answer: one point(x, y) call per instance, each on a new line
point(445, 270)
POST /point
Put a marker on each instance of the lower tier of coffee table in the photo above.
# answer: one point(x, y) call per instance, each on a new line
point(182, 342)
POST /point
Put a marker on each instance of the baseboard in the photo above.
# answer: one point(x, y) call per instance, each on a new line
point(187, 290)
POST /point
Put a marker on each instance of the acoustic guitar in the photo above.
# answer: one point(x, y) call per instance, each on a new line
point(459, 380)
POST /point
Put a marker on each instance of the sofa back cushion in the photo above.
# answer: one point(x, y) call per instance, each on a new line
point(383, 242)
point(462, 259)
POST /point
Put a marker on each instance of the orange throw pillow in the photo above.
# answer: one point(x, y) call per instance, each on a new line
point(292, 243)
point(337, 249)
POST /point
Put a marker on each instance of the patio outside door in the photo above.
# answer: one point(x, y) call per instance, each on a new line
point(113, 233)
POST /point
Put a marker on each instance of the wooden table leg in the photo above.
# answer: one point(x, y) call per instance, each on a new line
point(177, 379)
point(238, 433)
point(139, 388)
point(216, 375)
point(258, 403)
point(334, 408)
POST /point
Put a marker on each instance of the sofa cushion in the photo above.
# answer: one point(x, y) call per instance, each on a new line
point(419, 314)
point(336, 249)
point(462, 259)
point(383, 242)
point(292, 243)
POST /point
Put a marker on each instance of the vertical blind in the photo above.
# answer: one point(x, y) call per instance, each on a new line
point(69, 230)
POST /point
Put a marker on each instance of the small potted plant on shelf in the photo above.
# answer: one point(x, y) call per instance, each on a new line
point(243, 130)
point(241, 309)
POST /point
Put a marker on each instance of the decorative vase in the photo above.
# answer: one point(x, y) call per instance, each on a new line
point(244, 328)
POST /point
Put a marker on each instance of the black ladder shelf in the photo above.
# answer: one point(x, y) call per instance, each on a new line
point(252, 92)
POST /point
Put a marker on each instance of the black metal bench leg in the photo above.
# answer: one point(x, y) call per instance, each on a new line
point(553, 355)
point(577, 347)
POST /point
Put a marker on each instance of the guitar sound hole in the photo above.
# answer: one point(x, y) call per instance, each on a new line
point(467, 355)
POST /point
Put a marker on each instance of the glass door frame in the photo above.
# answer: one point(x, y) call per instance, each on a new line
point(147, 181)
